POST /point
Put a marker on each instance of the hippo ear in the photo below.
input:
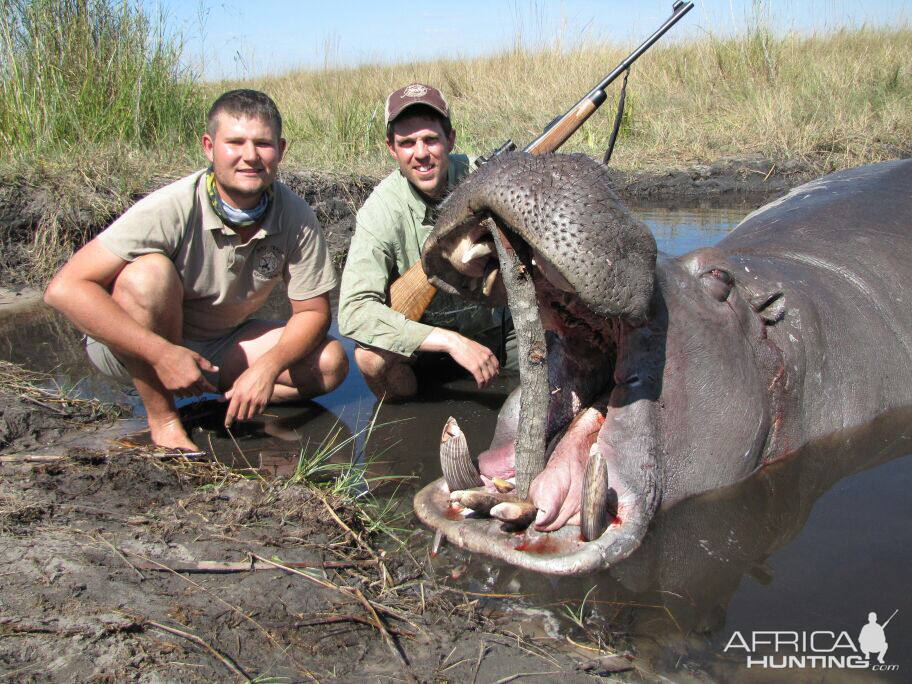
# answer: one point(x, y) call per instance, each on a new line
point(770, 306)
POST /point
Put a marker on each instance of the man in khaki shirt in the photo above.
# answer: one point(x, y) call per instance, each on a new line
point(390, 230)
point(166, 293)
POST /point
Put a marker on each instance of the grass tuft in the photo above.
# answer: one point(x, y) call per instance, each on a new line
point(341, 467)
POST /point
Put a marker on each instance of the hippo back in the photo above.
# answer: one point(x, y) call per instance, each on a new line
point(831, 215)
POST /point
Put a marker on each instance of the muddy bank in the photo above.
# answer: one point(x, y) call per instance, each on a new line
point(31, 216)
point(122, 563)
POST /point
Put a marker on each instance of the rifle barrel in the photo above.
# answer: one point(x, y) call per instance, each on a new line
point(597, 95)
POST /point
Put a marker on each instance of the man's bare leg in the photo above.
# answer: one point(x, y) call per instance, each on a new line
point(149, 290)
point(319, 372)
point(389, 376)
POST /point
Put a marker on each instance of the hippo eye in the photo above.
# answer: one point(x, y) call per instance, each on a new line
point(718, 283)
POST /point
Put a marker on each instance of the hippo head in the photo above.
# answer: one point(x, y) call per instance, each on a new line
point(659, 369)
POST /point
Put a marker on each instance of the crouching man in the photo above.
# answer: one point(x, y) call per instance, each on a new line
point(166, 293)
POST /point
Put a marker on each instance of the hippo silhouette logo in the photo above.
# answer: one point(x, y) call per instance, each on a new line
point(872, 639)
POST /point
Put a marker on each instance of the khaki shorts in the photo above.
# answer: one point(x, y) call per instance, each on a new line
point(110, 364)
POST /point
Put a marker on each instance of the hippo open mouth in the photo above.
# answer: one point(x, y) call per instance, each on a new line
point(548, 236)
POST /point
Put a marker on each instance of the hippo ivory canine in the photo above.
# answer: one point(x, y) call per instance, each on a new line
point(675, 375)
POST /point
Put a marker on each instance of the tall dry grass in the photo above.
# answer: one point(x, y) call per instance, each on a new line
point(77, 73)
point(95, 106)
point(833, 100)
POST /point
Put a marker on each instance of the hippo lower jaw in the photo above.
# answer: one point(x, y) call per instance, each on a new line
point(628, 446)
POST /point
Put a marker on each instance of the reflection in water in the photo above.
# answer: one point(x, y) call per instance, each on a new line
point(672, 596)
point(710, 565)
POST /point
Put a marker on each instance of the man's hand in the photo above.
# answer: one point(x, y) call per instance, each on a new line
point(250, 393)
point(476, 358)
point(557, 491)
point(180, 371)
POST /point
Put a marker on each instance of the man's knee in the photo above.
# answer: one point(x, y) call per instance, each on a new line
point(375, 363)
point(387, 375)
point(319, 373)
point(149, 283)
point(332, 364)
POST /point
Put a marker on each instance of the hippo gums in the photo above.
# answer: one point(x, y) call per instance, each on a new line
point(663, 377)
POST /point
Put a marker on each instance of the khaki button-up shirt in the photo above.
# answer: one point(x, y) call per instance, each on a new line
point(390, 230)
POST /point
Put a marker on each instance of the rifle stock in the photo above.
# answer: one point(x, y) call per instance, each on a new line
point(411, 294)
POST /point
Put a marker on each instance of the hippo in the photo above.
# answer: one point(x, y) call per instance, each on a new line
point(674, 376)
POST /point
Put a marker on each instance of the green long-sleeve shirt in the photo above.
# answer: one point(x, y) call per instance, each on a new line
point(390, 230)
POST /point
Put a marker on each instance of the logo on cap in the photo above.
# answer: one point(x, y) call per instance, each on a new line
point(415, 90)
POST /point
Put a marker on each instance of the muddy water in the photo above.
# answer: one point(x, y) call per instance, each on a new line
point(806, 546)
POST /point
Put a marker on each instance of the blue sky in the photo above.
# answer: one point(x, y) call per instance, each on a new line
point(243, 39)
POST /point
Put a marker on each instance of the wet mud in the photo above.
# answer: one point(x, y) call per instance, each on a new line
point(108, 574)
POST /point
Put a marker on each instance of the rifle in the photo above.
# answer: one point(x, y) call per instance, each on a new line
point(411, 294)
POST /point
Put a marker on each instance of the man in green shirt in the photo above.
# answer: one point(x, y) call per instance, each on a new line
point(390, 230)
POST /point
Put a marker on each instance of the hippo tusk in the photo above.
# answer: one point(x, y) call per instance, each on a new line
point(595, 515)
point(477, 251)
point(489, 281)
point(458, 469)
point(502, 486)
point(515, 512)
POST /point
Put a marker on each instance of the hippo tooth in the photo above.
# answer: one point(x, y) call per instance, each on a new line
point(502, 486)
point(515, 512)
point(594, 512)
point(477, 251)
point(480, 500)
point(458, 469)
point(438, 540)
point(489, 282)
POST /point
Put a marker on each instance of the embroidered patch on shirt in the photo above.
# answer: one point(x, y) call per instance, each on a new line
point(268, 262)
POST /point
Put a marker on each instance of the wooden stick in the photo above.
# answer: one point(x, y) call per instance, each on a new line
point(225, 567)
point(31, 458)
point(345, 527)
point(384, 573)
point(387, 637)
point(526, 674)
point(329, 619)
point(226, 661)
point(356, 594)
point(516, 272)
point(481, 653)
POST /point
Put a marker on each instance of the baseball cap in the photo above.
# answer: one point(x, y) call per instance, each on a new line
point(413, 94)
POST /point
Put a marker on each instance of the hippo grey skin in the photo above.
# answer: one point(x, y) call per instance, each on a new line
point(690, 374)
